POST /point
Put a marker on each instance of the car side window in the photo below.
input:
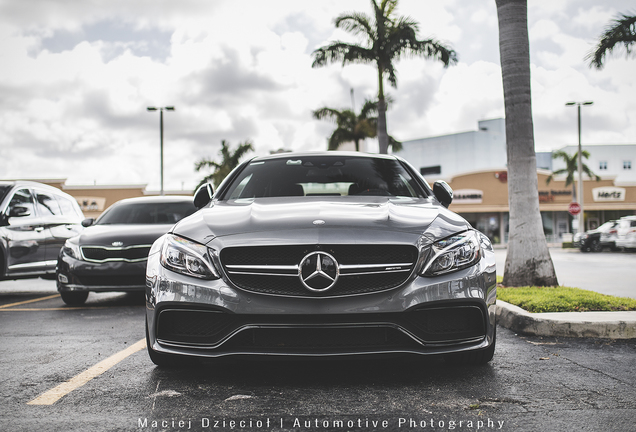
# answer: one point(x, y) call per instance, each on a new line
point(47, 204)
point(67, 206)
point(21, 204)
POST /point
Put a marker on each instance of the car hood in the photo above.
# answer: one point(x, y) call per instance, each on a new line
point(122, 235)
point(226, 218)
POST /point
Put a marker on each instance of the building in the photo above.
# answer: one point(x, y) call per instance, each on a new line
point(617, 161)
point(448, 155)
point(482, 198)
point(475, 166)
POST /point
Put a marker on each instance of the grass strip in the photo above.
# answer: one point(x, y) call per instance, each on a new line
point(562, 299)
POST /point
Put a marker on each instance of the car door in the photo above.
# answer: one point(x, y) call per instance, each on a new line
point(59, 218)
point(25, 236)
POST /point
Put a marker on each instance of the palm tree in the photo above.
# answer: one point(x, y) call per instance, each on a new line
point(387, 39)
point(229, 161)
point(353, 128)
point(571, 167)
point(528, 260)
point(622, 31)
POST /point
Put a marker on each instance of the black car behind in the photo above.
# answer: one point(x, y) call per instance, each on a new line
point(598, 239)
point(111, 254)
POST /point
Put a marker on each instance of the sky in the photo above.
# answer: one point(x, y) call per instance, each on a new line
point(76, 78)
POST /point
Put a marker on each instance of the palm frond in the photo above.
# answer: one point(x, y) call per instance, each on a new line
point(205, 163)
point(395, 145)
point(326, 112)
point(571, 166)
point(229, 161)
point(356, 23)
point(338, 137)
point(621, 32)
point(342, 51)
point(369, 107)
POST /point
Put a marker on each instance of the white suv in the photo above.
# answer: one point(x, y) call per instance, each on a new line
point(626, 232)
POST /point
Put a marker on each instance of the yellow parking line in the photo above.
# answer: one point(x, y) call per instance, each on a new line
point(54, 309)
point(29, 301)
point(55, 394)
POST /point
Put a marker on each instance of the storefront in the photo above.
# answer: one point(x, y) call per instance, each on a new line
point(482, 198)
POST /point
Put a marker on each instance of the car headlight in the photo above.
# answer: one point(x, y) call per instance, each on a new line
point(453, 253)
point(188, 258)
point(72, 248)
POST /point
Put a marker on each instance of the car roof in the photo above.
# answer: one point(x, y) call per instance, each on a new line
point(322, 153)
point(156, 199)
point(31, 184)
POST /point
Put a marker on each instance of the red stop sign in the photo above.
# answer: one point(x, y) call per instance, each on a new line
point(574, 208)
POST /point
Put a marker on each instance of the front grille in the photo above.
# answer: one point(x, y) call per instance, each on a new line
point(328, 333)
point(363, 268)
point(321, 339)
point(194, 326)
point(112, 280)
point(440, 324)
point(105, 254)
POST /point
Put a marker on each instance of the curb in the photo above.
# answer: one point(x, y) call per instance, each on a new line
point(606, 325)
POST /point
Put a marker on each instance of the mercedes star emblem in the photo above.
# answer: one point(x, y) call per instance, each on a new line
point(318, 271)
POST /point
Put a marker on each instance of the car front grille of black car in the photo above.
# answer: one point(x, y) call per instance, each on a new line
point(412, 329)
point(102, 280)
point(102, 254)
point(362, 268)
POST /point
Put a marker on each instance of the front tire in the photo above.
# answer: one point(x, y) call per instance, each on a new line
point(74, 298)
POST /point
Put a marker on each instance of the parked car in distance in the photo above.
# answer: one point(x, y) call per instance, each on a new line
point(602, 237)
point(626, 233)
point(322, 255)
point(35, 221)
point(111, 253)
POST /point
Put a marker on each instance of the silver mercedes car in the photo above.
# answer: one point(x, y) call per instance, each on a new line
point(322, 254)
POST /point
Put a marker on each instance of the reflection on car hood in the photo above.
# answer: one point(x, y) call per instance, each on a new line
point(127, 235)
point(225, 218)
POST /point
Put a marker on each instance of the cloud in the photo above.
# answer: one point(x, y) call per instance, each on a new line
point(77, 78)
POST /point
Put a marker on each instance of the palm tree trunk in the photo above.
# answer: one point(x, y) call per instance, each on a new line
point(528, 260)
point(383, 136)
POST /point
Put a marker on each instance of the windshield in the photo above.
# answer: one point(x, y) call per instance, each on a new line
point(324, 176)
point(147, 213)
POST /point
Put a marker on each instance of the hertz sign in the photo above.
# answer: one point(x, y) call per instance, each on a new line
point(608, 193)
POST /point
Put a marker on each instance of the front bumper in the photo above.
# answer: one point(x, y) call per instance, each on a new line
point(432, 315)
point(77, 275)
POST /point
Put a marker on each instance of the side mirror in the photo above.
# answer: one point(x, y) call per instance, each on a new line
point(203, 195)
point(4, 219)
point(88, 222)
point(443, 192)
point(19, 211)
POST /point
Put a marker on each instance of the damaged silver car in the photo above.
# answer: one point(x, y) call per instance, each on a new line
point(322, 254)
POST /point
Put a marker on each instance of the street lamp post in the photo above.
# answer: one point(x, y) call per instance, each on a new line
point(160, 109)
point(581, 218)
